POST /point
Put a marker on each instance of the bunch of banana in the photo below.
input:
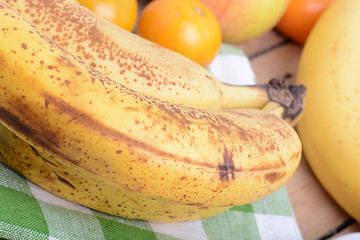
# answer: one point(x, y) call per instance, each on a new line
point(330, 126)
point(133, 61)
point(81, 135)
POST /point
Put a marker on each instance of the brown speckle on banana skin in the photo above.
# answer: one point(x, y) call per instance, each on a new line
point(226, 170)
point(274, 176)
point(61, 179)
point(40, 156)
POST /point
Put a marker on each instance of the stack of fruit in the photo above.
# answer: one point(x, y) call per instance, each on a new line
point(152, 134)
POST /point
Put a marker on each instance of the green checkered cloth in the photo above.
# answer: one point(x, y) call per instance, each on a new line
point(29, 212)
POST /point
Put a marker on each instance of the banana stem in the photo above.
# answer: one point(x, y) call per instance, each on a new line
point(286, 100)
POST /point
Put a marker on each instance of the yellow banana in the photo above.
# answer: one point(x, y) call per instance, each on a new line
point(119, 151)
point(330, 125)
point(133, 61)
point(82, 188)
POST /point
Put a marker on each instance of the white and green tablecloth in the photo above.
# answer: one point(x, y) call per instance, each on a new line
point(29, 212)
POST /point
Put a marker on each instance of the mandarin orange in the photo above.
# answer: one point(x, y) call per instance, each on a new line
point(184, 26)
point(122, 13)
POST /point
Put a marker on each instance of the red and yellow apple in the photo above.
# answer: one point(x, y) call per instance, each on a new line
point(243, 20)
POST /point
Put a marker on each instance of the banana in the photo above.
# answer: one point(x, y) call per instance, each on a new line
point(330, 125)
point(79, 187)
point(133, 61)
point(89, 139)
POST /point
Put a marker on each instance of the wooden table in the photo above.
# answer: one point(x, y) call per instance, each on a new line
point(318, 216)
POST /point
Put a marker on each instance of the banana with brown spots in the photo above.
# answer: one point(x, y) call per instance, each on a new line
point(89, 139)
point(133, 61)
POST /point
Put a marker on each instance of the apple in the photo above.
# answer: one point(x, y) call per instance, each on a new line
point(243, 20)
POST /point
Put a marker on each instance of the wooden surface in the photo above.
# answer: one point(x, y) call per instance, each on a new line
point(318, 216)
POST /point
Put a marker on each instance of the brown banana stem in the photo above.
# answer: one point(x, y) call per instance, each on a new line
point(286, 100)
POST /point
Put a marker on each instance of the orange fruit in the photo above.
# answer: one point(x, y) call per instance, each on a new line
point(300, 17)
point(122, 13)
point(184, 26)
